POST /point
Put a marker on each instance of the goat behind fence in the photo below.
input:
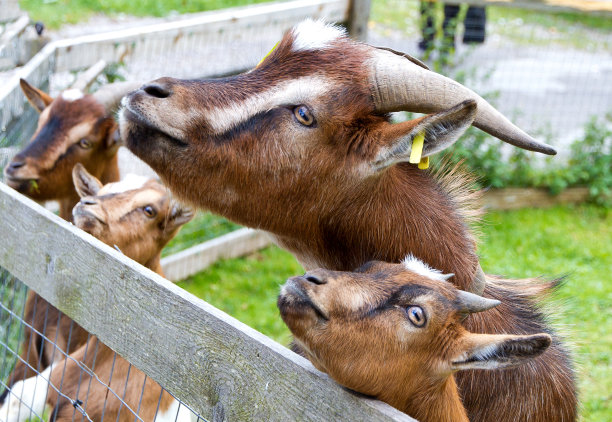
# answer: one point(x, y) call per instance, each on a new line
point(94, 382)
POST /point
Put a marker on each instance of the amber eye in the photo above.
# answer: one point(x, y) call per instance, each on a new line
point(416, 316)
point(303, 115)
point(85, 143)
point(149, 211)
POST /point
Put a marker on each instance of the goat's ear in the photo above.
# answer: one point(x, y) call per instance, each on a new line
point(84, 183)
point(39, 99)
point(488, 351)
point(110, 133)
point(436, 131)
point(179, 215)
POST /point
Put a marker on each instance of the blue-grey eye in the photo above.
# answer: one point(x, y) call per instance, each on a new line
point(149, 211)
point(85, 143)
point(416, 315)
point(303, 115)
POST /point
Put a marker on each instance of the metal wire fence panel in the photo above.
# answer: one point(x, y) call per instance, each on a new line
point(52, 368)
point(548, 72)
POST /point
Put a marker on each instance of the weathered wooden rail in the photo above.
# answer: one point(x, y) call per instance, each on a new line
point(220, 367)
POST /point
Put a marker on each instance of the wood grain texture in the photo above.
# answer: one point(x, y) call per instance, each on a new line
point(219, 366)
point(195, 259)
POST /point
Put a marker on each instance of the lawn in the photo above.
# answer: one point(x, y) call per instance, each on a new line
point(572, 241)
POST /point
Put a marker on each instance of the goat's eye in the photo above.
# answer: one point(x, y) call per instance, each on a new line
point(85, 143)
point(149, 211)
point(303, 115)
point(416, 316)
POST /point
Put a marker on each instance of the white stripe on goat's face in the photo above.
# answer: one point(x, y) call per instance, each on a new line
point(315, 35)
point(286, 93)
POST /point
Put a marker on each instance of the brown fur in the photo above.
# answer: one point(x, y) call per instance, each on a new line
point(46, 172)
point(355, 327)
point(316, 190)
point(117, 219)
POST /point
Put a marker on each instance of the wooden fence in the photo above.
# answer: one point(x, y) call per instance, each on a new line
point(220, 367)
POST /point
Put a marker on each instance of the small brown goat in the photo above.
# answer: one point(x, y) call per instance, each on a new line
point(394, 332)
point(72, 128)
point(302, 146)
point(137, 216)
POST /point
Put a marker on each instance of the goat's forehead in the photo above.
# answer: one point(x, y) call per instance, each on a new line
point(130, 182)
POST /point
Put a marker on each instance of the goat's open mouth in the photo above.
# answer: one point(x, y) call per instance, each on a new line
point(141, 122)
point(27, 184)
point(294, 295)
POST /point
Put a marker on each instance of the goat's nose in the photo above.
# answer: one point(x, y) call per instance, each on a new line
point(157, 90)
point(88, 201)
point(15, 164)
point(315, 278)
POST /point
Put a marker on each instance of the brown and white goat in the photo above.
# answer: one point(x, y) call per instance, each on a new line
point(302, 146)
point(394, 332)
point(137, 216)
point(72, 128)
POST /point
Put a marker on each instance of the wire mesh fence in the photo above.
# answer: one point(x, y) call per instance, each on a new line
point(52, 369)
point(549, 72)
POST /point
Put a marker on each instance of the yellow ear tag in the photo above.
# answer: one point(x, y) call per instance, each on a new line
point(269, 52)
point(424, 163)
point(417, 148)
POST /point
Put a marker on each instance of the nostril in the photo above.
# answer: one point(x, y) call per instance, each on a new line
point(314, 279)
point(157, 91)
point(88, 201)
point(17, 164)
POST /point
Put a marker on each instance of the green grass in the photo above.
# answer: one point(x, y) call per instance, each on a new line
point(203, 227)
point(55, 13)
point(246, 288)
point(565, 240)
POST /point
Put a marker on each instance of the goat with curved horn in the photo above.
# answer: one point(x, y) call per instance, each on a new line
point(398, 83)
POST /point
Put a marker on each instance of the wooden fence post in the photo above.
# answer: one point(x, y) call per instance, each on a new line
point(359, 13)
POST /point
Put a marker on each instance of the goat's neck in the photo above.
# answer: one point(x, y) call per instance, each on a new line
point(403, 211)
point(154, 264)
point(436, 402)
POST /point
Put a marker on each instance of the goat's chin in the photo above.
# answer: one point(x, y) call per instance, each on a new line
point(153, 146)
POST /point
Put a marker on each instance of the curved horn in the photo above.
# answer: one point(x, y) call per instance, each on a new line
point(399, 84)
point(470, 302)
point(110, 95)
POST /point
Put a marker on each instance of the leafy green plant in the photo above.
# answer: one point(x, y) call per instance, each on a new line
point(590, 163)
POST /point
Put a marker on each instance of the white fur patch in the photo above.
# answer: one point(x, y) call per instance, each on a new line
point(130, 182)
point(72, 94)
point(175, 413)
point(291, 92)
point(26, 399)
point(315, 35)
point(414, 264)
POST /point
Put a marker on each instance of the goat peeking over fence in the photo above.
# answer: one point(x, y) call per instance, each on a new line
point(139, 217)
point(393, 331)
point(302, 146)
